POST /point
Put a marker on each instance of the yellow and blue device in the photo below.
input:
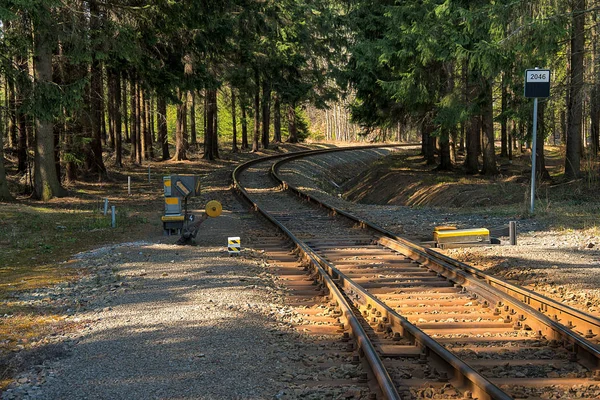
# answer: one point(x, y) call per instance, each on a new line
point(177, 189)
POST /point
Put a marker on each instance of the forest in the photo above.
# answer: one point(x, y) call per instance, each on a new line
point(90, 85)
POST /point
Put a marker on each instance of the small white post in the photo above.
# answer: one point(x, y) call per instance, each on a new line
point(129, 185)
point(113, 221)
point(105, 206)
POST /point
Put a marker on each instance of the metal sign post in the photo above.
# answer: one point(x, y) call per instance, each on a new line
point(537, 84)
point(533, 154)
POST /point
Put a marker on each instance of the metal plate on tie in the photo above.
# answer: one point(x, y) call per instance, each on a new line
point(213, 208)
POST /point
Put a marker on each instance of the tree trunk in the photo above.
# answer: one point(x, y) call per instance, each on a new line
point(256, 137)
point(429, 141)
point(193, 133)
point(112, 105)
point(46, 182)
point(163, 138)
point(180, 153)
point(118, 122)
point(101, 100)
point(327, 128)
point(575, 110)
point(234, 148)
point(215, 141)
point(489, 149)
point(266, 113)
point(244, 122)
point(22, 143)
point(292, 129)
point(151, 124)
point(277, 119)
point(124, 110)
point(453, 140)
point(20, 117)
point(4, 192)
point(149, 142)
point(133, 118)
point(110, 83)
point(472, 143)
point(445, 154)
point(205, 118)
point(511, 139)
point(96, 164)
point(139, 132)
point(503, 119)
point(11, 94)
point(595, 95)
point(209, 126)
point(143, 125)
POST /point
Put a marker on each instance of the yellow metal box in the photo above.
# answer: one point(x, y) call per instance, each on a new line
point(477, 235)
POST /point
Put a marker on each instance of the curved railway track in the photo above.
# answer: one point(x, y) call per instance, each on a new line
point(426, 325)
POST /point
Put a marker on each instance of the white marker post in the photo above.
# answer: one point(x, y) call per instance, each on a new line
point(113, 217)
point(537, 84)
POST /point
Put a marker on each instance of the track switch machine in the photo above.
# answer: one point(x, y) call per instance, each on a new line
point(177, 190)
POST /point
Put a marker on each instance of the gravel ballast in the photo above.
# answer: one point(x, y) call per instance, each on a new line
point(564, 265)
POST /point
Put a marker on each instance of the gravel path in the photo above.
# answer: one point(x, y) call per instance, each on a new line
point(162, 321)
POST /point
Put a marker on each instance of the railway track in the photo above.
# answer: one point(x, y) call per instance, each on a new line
point(427, 326)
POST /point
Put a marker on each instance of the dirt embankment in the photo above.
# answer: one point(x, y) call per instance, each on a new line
point(403, 179)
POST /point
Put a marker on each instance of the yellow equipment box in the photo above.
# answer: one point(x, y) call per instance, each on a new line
point(477, 235)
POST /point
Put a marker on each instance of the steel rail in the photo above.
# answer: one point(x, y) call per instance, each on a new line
point(478, 384)
point(481, 387)
point(462, 273)
point(588, 325)
point(384, 381)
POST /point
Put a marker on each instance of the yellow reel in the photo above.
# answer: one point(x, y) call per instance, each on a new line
point(213, 208)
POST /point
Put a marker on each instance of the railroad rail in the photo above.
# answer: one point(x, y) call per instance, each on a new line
point(423, 321)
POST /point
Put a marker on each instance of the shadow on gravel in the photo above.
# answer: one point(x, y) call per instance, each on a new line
point(217, 357)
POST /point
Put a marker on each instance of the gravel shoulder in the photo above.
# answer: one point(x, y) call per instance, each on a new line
point(157, 320)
